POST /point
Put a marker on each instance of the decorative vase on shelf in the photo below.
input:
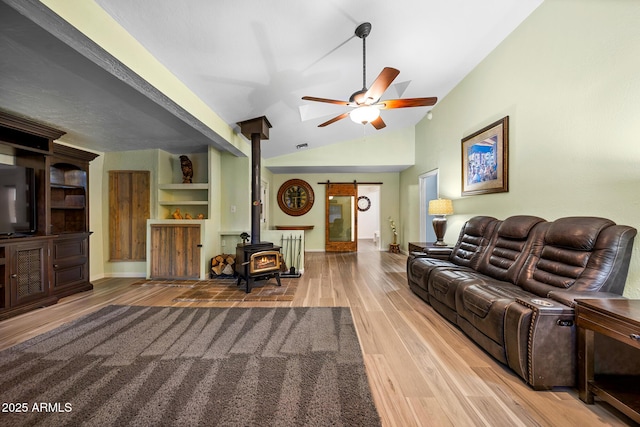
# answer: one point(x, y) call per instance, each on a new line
point(187, 170)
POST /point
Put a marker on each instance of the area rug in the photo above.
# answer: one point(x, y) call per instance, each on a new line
point(173, 366)
point(226, 289)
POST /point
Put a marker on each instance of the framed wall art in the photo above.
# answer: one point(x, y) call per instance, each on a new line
point(485, 160)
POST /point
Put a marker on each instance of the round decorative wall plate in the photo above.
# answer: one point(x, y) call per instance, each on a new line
point(295, 197)
point(363, 203)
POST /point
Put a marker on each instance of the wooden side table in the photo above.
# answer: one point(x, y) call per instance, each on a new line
point(620, 320)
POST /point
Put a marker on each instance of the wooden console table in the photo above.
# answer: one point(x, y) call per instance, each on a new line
point(620, 320)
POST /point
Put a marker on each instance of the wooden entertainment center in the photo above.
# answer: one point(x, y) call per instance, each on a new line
point(39, 268)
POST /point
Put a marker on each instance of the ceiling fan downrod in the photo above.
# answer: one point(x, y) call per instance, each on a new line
point(362, 31)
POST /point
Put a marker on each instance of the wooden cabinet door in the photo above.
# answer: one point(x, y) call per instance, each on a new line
point(129, 201)
point(175, 251)
point(29, 272)
point(71, 264)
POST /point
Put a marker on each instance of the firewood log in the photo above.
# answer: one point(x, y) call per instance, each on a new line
point(218, 269)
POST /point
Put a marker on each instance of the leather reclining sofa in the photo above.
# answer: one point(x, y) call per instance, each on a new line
point(510, 285)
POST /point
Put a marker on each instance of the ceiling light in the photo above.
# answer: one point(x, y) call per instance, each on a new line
point(364, 114)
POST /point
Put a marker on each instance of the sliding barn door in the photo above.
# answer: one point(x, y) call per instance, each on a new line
point(341, 219)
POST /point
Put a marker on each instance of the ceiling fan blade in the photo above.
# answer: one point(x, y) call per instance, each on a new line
point(329, 101)
point(378, 123)
point(335, 119)
point(388, 104)
point(380, 84)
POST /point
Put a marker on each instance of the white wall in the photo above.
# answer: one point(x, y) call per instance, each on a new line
point(369, 220)
point(569, 80)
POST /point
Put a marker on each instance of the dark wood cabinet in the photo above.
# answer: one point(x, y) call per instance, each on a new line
point(69, 213)
point(24, 275)
point(618, 319)
point(70, 260)
point(38, 268)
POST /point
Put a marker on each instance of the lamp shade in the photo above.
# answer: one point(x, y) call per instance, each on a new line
point(440, 207)
point(364, 114)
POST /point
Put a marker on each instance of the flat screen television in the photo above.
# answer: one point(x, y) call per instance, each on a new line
point(17, 200)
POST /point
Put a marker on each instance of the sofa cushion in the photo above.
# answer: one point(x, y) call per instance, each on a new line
point(510, 246)
point(581, 254)
point(420, 268)
point(443, 283)
point(473, 239)
point(518, 227)
point(576, 233)
point(484, 305)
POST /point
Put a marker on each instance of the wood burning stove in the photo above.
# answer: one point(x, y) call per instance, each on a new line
point(257, 261)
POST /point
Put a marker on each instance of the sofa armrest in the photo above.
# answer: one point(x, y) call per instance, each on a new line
point(439, 253)
point(568, 297)
point(540, 341)
point(414, 254)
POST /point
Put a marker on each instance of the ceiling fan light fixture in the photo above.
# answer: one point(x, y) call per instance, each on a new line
point(366, 103)
point(364, 114)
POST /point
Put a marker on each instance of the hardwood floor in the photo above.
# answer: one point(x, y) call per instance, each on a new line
point(423, 371)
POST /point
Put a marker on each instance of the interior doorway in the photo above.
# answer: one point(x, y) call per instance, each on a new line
point(429, 188)
point(368, 218)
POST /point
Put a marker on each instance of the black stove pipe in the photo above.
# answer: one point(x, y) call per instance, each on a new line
point(255, 130)
point(256, 204)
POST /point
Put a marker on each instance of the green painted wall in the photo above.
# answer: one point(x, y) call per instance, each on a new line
point(235, 213)
point(569, 80)
point(394, 148)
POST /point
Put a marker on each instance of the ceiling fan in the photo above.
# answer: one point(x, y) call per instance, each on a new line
point(366, 103)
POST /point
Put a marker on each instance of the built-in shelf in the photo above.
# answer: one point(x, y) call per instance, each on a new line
point(190, 198)
point(68, 190)
point(184, 203)
point(172, 241)
point(68, 207)
point(66, 186)
point(197, 186)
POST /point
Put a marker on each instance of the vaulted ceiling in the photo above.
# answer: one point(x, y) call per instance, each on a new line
point(243, 59)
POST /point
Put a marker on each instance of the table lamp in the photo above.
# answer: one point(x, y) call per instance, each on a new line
point(440, 208)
